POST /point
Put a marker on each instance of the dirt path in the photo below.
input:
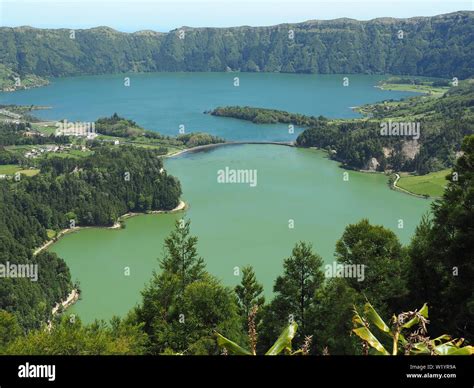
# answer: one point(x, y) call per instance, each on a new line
point(395, 187)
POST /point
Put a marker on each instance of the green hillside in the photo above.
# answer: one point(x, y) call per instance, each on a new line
point(440, 46)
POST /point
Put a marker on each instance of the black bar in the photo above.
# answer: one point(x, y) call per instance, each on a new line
point(381, 371)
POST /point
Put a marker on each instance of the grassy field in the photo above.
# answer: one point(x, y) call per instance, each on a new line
point(431, 184)
point(11, 169)
point(47, 128)
point(426, 89)
point(8, 169)
point(77, 154)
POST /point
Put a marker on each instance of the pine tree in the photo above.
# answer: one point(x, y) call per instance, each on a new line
point(181, 256)
point(295, 291)
point(302, 277)
point(249, 291)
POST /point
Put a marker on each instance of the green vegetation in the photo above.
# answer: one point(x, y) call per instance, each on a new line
point(281, 345)
point(185, 310)
point(444, 121)
point(437, 46)
point(294, 293)
point(12, 134)
point(441, 267)
point(456, 102)
point(93, 190)
point(249, 292)
point(25, 111)
point(184, 304)
point(197, 139)
point(69, 336)
point(118, 127)
point(405, 342)
point(427, 86)
point(432, 184)
point(27, 143)
point(11, 169)
point(266, 116)
point(11, 80)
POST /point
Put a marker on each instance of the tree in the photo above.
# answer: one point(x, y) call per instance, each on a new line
point(331, 315)
point(294, 292)
point(445, 245)
point(182, 322)
point(93, 190)
point(207, 306)
point(181, 256)
point(66, 337)
point(183, 304)
point(249, 292)
point(9, 329)
point(384, 261)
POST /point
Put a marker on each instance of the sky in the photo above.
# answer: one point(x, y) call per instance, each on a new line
point(165, 15)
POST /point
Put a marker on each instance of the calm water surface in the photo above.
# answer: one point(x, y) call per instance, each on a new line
point(236, 224)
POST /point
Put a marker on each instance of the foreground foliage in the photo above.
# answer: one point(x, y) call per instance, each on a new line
point(408, 332)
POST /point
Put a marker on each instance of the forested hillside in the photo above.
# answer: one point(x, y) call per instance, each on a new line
point(439, 46)
point(95, 190)
point(444, 122)
point(10, 80)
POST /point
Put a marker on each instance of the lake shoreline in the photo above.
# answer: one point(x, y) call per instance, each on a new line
point(117, 225)
point(227, 143)
point(395, 187)
point(392, 186)
point(74, 295)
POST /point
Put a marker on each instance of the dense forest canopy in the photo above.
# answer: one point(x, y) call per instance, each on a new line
point(439, 46)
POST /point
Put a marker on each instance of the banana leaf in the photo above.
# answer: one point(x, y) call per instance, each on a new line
point(363, 331)
point(284, 341)
point(415, 320)
point(453, 348)
point(365, 334)
point(464, 351)
point(373, 317)
point(231, 346)
point(443, 346)
point(444, 338)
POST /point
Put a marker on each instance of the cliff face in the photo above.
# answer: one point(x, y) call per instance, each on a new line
point(440, 46)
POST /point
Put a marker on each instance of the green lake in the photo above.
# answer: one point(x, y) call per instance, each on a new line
point(236, 224)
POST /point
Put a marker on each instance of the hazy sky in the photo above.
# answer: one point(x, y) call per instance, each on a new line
point(164, 15)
